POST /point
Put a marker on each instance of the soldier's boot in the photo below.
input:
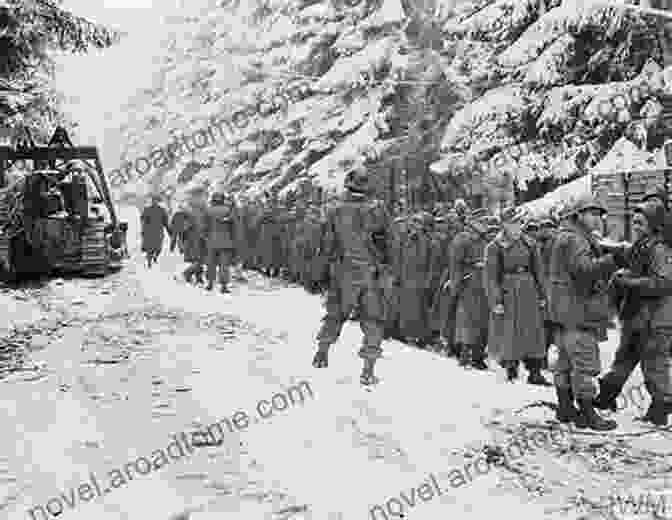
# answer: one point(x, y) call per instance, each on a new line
point(368, 378)
point(188, 275)
point(199, 277)
point(321, 358)
point(511, 371)
point(478, 361)
point(210, 286)
point(224, 289)
point(606, 397)
point(566, 412)
point(589, 418)
point(535, 377)
point(452, 349)
point(465, 355)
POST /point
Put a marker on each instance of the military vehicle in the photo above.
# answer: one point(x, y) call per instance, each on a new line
point(58, 215)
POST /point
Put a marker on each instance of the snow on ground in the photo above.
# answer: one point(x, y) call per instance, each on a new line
point(198, 357)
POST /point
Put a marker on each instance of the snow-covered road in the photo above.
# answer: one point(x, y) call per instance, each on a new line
point(139, 356)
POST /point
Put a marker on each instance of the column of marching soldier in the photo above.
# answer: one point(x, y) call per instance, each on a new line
point(463, 283)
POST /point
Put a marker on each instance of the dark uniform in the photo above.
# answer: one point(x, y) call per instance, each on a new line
point(194, 243)
point(513, 282)
point(468, 292)
point(154, 221)
point(643, 338)
point(356, 242)
point(220, 230)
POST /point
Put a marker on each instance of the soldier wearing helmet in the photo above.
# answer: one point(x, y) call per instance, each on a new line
point(646, 315)
point(579, 305)
point(356, 243)
point(658, 196)
point(220, 233)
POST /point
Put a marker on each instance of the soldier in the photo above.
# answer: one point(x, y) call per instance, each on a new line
point(220, 232)
point(444, 303)
point(195, 250)
point(579, 304)
point(516, 296)
point(468, 293)
point(270, 240)
point(437, 266)
point(393, 292)
point(545, 236)
point(649, 292)
point(636, 308)
point(154, 220)
point(356, 241)
point(658, 196)
point(414, 291)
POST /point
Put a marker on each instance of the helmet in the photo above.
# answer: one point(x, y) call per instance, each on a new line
point(531, 225)
point(587, 203)
point(357, 180)
point(657, 192)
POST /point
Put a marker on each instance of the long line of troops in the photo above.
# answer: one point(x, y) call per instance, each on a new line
point(443, 276)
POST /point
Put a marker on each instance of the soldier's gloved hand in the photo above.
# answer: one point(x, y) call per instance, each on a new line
point(498, 309)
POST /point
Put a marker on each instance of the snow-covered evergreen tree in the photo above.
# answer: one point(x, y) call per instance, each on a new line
point(564, 82)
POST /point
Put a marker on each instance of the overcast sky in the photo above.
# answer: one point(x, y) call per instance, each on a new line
point(98, 83)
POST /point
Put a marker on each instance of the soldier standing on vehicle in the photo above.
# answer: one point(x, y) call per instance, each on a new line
point(356, 242)
point(154, 220)
point(517, 298)
point(220, 231)
point(579, 304)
